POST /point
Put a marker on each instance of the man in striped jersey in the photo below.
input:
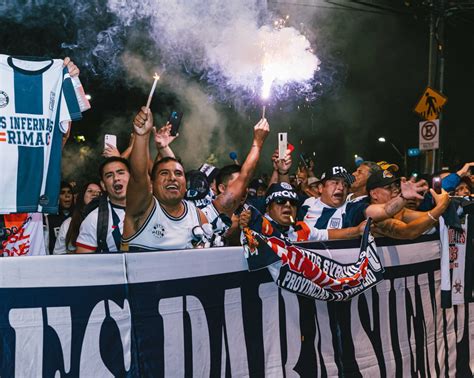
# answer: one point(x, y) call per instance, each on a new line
point(332, 211)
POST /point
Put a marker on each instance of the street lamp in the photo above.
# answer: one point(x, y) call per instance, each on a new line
point(403, 156)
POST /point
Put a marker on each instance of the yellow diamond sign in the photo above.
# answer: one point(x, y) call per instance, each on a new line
point(430, 104)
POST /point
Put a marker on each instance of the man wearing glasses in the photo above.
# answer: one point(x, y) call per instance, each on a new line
point(282, 202)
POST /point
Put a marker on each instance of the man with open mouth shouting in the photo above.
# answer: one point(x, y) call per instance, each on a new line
point(332, 211)
point(97, 234)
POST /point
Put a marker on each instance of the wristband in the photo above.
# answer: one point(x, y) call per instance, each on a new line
point(284, 173)
point(431, 216)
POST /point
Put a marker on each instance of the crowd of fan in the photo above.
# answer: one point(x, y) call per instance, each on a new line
point(140, 204)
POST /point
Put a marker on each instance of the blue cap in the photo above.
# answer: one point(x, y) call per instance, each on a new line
point(280, 190)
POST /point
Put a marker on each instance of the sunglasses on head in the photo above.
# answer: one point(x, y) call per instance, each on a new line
point(282, 201)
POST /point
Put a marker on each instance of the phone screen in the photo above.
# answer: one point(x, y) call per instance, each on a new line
point(436, 184)
point(175, 120)
point(282, 145)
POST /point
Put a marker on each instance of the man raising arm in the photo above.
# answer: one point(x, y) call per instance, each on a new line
point(233, 182)
point(157, 216)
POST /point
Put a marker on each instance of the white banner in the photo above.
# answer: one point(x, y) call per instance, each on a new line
point(201, 313)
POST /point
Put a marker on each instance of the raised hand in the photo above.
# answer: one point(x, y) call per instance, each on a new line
point(110, 150)
point(71, 67)
point(245, 218)
point(281, 165)
point(302, 175)
point(412, 190)
point(274, 160)
point(143, 122)
point(163, 137)
point(465, 169)
point(441, 199)
point(260, 132)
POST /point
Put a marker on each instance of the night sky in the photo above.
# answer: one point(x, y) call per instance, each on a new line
point(374, 69)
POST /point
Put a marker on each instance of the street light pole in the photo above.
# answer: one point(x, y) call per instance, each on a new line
point(403, 156)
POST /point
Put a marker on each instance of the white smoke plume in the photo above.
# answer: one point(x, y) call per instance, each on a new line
point(229, 44)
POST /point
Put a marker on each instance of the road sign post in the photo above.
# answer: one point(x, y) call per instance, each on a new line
point(430, 104)
point(429, 135)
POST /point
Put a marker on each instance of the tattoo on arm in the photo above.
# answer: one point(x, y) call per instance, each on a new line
point(393, 206)
point(391, 228)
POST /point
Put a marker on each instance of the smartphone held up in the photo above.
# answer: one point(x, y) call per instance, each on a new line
point(436, 184)
point(282, 145)
point(110, 140)
point(175, 121)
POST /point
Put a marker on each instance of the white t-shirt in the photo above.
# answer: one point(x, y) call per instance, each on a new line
point(88, 232)
point(60, 245)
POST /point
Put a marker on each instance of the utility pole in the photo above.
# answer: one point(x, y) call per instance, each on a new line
point(441, 49)
point(436, 70)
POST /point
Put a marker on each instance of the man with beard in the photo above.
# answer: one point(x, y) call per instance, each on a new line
point(114, 176)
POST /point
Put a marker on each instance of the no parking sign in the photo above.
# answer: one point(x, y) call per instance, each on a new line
point(429, 135)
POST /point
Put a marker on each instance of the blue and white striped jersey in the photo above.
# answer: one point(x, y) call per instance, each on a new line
point(323, 217)
point(37, 100)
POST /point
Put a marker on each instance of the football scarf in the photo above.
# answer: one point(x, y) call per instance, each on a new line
point(305, 272)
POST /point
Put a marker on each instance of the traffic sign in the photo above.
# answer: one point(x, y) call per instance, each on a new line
point(430, 104)
point(429, 135)
point(412, 152)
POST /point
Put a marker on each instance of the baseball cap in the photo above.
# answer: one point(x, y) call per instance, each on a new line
point(388, 166)
point(379, 179)
point(338, 171)
point(255, 184)
point(210, 171)
point(197, 186)
point(313, 180)
point(280, 190)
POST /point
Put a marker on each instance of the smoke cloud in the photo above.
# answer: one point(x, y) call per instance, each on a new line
point(211, 55)
point(229, 45)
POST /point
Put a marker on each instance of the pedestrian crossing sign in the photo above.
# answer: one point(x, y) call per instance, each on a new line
point(430, 104)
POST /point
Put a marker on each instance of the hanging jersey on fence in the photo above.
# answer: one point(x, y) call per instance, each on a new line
point(37, 100)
